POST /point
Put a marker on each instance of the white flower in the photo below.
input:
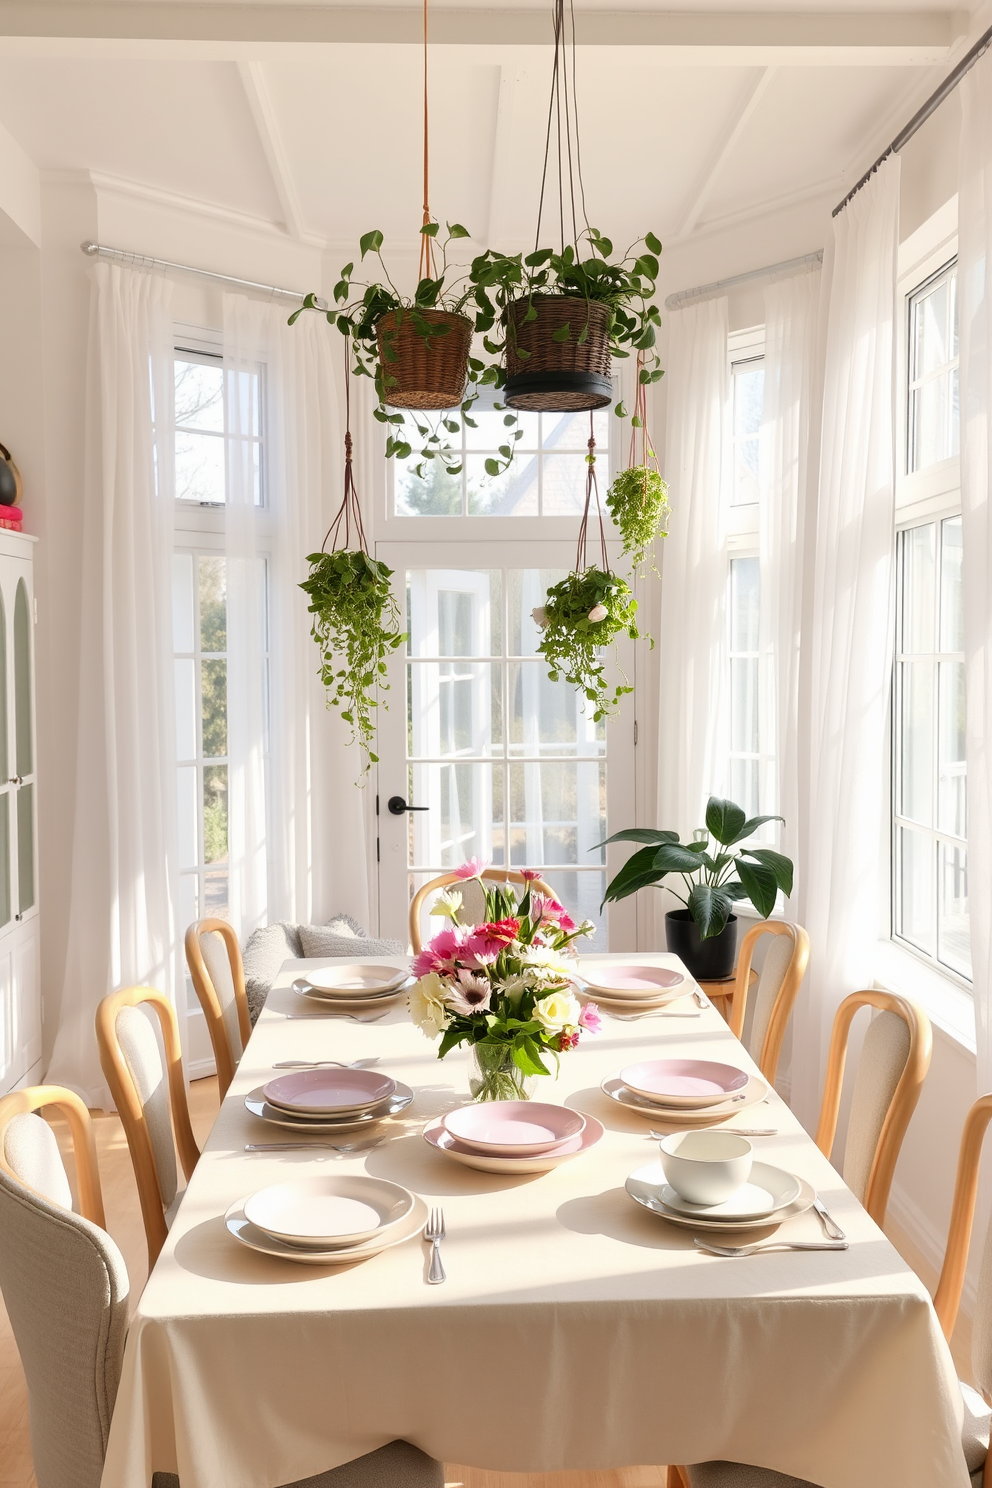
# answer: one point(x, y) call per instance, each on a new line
point(513, 988)
point(426, 1004)
point(598, 612)
point(540, 616)
point(447, 904)
point(469, 994)
point(557, 1011)
point(547, 965)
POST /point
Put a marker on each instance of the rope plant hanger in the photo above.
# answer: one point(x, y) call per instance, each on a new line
point(587, 610)
point(638, 498)
point(576, 311)
point(356, 619)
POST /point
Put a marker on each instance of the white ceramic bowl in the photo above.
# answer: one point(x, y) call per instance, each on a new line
point(706, 1167)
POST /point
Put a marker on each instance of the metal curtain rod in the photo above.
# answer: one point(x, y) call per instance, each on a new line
point(922, 114)
point(141, 261)
point(675, 300)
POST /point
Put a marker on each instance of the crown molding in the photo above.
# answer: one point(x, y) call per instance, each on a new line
point(770, 207)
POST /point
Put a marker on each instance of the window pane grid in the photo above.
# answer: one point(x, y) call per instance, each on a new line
point(930, 909)
point(933, 413)
point(747, 394)
point(218, 429)
point(747, 758)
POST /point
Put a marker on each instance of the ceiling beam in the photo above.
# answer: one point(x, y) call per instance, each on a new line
point(260, 103)
point(234, 29)
point(753, 94)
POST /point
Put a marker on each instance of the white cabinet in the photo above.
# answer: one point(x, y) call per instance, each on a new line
point(20, 990)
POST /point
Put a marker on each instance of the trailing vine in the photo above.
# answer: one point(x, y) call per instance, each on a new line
point(638, 503)
point(582, 614)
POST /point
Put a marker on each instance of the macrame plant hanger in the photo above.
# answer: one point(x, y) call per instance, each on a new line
point(592, 489)
point(350, 511)
point(428, 267)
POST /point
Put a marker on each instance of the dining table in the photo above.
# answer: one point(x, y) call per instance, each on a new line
point(575, 1329)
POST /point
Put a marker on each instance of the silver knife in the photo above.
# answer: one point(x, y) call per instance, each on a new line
point(831, 1226)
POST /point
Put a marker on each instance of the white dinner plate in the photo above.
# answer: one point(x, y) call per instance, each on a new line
point(328, 1092)
point(671, 1116)
point(248, 1234)
point(329, 1211)
point(628, 982)
point(625, 1005)
point(767, 1190)
point(438, 1136)
point(356, 979)
point(645, 1188)
point(304, 988)
point(256, 1103)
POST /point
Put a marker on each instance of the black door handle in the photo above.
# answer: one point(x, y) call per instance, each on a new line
point(397, 806)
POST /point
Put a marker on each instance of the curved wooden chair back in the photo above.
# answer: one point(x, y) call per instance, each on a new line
point(143, 1128)
point(37, 1098)
point(947, 1298)
point(443, 880)
point(894, 1063)
point(226, 1007)
point(777, 986)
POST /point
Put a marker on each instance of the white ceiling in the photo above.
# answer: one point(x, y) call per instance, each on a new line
point(325, 141)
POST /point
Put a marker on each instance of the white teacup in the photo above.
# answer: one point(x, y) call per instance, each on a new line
point(706, 1167)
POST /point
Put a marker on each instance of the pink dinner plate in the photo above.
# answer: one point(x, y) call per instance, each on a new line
point(631, 981)
point(685, 1083)
point(318, 1092)
point(438, 1137)
point(514, 1128)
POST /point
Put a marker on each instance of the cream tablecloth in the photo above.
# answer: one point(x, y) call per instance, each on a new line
point(574, 1330)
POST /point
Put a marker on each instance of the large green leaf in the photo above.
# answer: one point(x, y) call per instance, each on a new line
point(724, 820)
point(752, 824)
point(710, 908)
point(631, 886)
point(638, 870)
point(761, 885)
point(639, 834)
point(673, 857)
point(779, 864)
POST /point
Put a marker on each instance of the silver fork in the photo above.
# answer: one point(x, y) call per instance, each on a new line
point(746, 1250)
point(355, 1017)
point(323, 1063)
point(735, 1131)
point(341, 1148)
point(634, 1017)
point(434, 1232)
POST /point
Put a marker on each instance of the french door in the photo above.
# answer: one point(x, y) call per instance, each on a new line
point(497, 761)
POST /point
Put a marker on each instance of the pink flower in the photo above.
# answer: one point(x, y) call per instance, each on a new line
point(426, 962)
point(486, 941)
point(469, 994)
point(590, 1018)
point(529, 874)
point(567, 1041)
point(474, 868)
point(550, 911)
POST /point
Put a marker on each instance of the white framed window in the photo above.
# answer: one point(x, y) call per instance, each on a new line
point(205, 641)
point(546, 478)
point(746, 756)
point(929, 906)
point(747, 382)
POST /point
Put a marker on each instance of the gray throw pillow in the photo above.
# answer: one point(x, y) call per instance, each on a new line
point(322, 940)
point(267, 948)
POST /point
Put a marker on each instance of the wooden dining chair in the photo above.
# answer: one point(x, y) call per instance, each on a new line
point(150, 1095)
point(894, 1061)
point(977, 1420)
point(213, 956)
point(30, 1153)
point(472, 896)
point(774, 990)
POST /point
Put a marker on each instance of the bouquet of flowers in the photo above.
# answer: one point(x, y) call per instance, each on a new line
point(503, 986)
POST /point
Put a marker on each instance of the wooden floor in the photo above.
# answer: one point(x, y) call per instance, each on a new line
point(124, 1223)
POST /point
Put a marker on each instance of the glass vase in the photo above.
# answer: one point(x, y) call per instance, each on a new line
point(494, 1076)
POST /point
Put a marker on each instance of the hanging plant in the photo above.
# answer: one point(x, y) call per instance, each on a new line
point(584, 612)
point(356, 618)
point(638, 498)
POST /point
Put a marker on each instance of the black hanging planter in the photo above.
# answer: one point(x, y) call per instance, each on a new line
point(711, 960)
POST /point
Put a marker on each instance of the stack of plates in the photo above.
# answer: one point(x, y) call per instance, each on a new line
point(326, 1221)
point(688, 1092)
point(328, 1100)
point(353, 982)
point(770, 1196)
point(513, 1136)
point(618, 987)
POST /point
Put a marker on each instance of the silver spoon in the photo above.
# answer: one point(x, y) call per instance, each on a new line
point(735, 1131)
point(338, 1147)
point(322, 1017)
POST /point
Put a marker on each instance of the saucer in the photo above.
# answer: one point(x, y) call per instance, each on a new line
point(767, 1190)
point(646, 1185)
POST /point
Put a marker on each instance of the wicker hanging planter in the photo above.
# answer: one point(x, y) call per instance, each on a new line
point(423, 358)
point(558, 359)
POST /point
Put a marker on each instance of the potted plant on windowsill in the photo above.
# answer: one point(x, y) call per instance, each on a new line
point(714, 878)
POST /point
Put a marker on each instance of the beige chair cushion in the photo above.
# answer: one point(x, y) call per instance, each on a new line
point(883, 1059)
point(30, 1148)
point(778, 955)
point(218, 966)
point(140, 1046)
point(974, 1442)
point(65, 1287)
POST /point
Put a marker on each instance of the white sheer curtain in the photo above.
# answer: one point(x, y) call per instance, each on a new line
point(297, 838)
point(975, 302)
point(849, 639)
point(791, 319)
point(122, 923)
point(693, 635)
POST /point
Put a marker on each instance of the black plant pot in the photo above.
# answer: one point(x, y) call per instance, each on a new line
point(709, 960)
